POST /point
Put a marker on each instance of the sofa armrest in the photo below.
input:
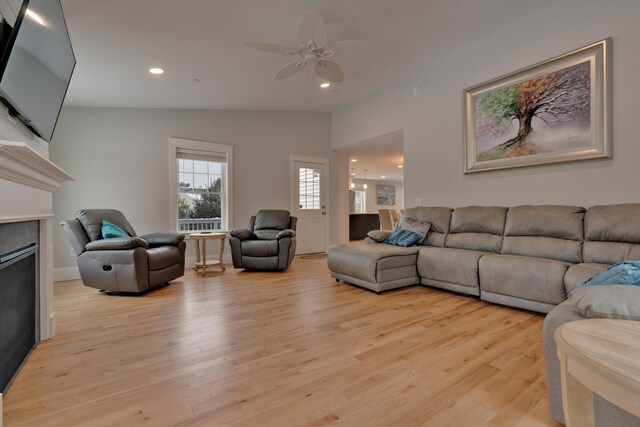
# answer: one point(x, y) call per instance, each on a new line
point(285, 233)
point(243, 234)
point(119, 243)
point(163, 239)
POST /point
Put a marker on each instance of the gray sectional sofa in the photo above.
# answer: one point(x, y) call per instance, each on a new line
point(528, 257)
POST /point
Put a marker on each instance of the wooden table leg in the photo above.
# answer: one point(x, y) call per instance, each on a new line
point(577, 400)
point(204, 257)
point(221, 254)
point(195, 267)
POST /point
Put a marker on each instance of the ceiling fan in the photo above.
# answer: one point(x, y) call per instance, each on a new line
point(313, 35)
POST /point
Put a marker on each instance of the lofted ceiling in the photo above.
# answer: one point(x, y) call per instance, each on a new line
point(200, 44)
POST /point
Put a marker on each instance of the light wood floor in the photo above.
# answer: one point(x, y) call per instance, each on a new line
point(282, 349)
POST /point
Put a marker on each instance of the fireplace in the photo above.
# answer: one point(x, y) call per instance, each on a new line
point(27, 181)
point(18, 296)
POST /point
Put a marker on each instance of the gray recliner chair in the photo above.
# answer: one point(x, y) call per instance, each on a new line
point(125, 264)
point(268, 244)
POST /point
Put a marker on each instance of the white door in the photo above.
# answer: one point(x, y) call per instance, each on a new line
point(309, 194)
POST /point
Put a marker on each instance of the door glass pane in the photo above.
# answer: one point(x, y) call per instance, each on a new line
point(309, 188)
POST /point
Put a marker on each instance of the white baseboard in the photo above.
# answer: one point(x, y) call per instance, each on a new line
point(65, 273)
point(71, 273)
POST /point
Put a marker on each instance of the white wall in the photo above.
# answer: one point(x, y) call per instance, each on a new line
point(119, 159)
point(371, 195)
point(432, 121)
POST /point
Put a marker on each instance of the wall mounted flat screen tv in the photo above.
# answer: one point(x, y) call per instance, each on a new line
point(37, 65)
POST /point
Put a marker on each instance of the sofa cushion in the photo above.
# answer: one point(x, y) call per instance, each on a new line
point(458, 266)
point(439, 218)
point(477, 228)
point(609, 302)
point(548, 231)
point(612, 233)
point(534, 279)
point(576, 274)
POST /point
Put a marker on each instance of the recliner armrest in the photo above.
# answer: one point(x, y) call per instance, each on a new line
point(163, 239)
point(243, 234)
point(118, 243)
point(285, 233)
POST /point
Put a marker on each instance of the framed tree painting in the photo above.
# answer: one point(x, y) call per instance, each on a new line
point(555, 111)
point(386, 194)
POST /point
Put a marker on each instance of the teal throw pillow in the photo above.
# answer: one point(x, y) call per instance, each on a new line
point(403, 238)
point(622, 273)
point(110, 231)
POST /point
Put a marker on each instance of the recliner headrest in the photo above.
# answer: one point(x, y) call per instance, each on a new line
point(91, 220)
point(272, 219)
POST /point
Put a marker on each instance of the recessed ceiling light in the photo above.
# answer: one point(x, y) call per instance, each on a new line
point(156, 70)
point(400, 166)
point(383, 177)
point(354, 160)
point(325, 85)
point(31, 14)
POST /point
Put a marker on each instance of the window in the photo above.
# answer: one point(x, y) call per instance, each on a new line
point(309, 185)
point(360, 201)
point(200, 185)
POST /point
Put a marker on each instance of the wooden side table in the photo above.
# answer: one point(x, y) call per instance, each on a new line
point(598, 356)
point(201, 257)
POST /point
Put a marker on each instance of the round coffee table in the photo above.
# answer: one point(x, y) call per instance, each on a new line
point(201, 261)
point(598, 356)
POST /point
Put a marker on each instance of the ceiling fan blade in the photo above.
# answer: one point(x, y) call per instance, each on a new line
point(351, 49)
point(270, 48)
point(329, 70)
point(290, 69)
point(313, 29)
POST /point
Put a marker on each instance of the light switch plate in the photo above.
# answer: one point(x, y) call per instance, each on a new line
point(418, 202)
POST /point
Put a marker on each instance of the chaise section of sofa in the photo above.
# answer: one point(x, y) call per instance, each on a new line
point(540, 244)
point(474, 231)
point(375, 266)
point(382, 267)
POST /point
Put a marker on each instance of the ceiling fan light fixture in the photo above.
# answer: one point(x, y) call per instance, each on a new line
point(325, 85)
point(315, 51)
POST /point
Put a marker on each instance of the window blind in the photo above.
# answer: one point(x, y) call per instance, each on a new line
point(204, 156)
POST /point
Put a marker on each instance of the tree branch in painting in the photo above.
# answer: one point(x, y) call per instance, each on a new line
point(562, 96)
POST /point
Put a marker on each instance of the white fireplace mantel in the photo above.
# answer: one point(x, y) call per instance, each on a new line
point(21, 164)
point(27, 181)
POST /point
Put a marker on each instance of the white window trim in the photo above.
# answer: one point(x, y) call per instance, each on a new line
point(174, 144)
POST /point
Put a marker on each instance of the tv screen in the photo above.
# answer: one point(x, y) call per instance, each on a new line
point(37, 65)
